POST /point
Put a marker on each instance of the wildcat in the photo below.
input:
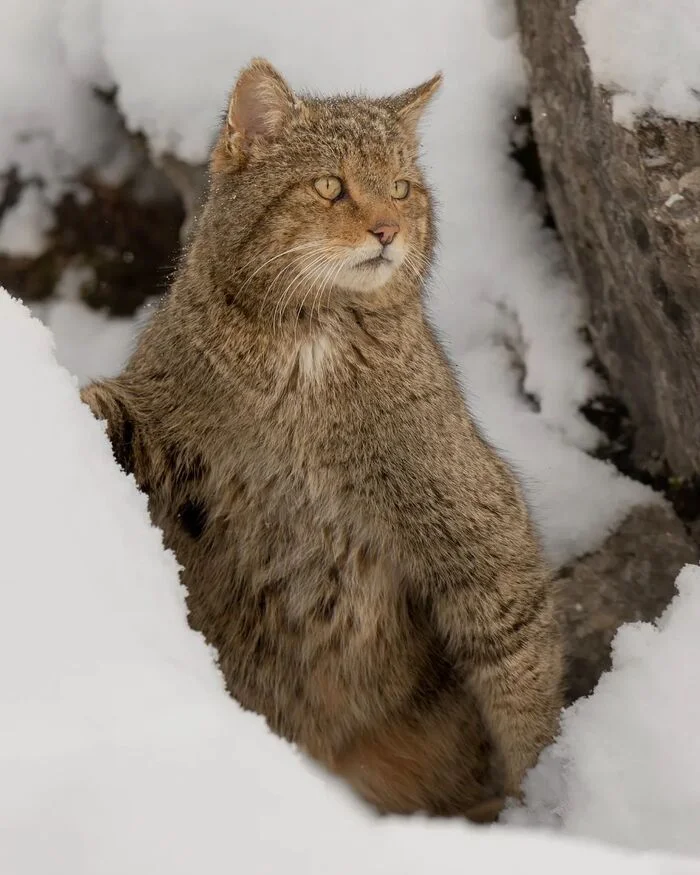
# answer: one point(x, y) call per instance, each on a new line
point(361, 558)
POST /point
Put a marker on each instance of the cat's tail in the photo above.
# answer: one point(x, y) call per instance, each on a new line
point(487, 811)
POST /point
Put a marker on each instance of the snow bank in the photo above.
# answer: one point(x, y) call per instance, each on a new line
point(576, 499)
point(627, 765)
point(119, 748)
point(646, 51)
point(89, 343)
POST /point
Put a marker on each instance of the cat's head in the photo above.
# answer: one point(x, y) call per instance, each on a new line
point(321, 198)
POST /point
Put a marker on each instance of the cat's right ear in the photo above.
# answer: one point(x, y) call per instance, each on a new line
point(261, 104)
point(411, 105)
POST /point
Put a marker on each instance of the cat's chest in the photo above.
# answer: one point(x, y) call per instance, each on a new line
point(339, 404)
point(334, 401)
point(336, 415)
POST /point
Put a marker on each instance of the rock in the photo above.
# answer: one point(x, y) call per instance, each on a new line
point(630, 578)
point(627, 205)
point(129, 240)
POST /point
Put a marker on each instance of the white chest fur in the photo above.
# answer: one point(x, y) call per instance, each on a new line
point(315, 356)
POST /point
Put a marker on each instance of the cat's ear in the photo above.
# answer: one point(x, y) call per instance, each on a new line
point(410, 105)
point(260, 105)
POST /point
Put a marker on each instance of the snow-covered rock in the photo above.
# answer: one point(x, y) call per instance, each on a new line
point(24, 228)
point(646, 53)
point(625, 198)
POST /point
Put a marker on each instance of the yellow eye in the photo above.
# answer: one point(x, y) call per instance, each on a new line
point(400, 189)
point(329, 187)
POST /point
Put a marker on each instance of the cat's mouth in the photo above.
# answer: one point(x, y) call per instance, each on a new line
point(368, 270)
point(374, 262)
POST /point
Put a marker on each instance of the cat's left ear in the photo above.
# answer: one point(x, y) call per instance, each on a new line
point(411, 104)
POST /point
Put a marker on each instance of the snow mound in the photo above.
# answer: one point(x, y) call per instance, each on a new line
point(646, 52)
point(89, 343)
point(119, 749)
point(626, 767)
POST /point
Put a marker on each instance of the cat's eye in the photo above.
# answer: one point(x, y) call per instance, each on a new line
point(329, 187)
point(400, 189)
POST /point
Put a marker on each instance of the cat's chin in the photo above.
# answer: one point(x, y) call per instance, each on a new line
point(369, 276)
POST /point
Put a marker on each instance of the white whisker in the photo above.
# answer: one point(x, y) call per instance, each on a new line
point(323, 279)
point(342, 263)
point(298, 263)
point(296, 248)
point(299, 259)
point(288, 293)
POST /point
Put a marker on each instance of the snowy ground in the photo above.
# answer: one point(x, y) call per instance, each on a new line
point(120, 746)
point(120, 750)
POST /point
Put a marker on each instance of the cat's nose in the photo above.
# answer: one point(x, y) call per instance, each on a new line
point(385, 232)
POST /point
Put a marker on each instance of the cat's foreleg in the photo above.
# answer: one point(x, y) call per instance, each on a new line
point(507, 641)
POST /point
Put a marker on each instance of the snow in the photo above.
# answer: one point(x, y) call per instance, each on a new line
point(501, 17)
point(644, 54)
point(89, 343)
point(576, 499)
point(53, 125)
point(24, 228)
point(120, 750)
point(92, 345)
point(626, 767)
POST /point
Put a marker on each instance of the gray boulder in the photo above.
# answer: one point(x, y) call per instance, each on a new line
point(630, 578)
point(627, 205)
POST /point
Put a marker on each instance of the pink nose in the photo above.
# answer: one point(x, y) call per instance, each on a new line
point(385, 232)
